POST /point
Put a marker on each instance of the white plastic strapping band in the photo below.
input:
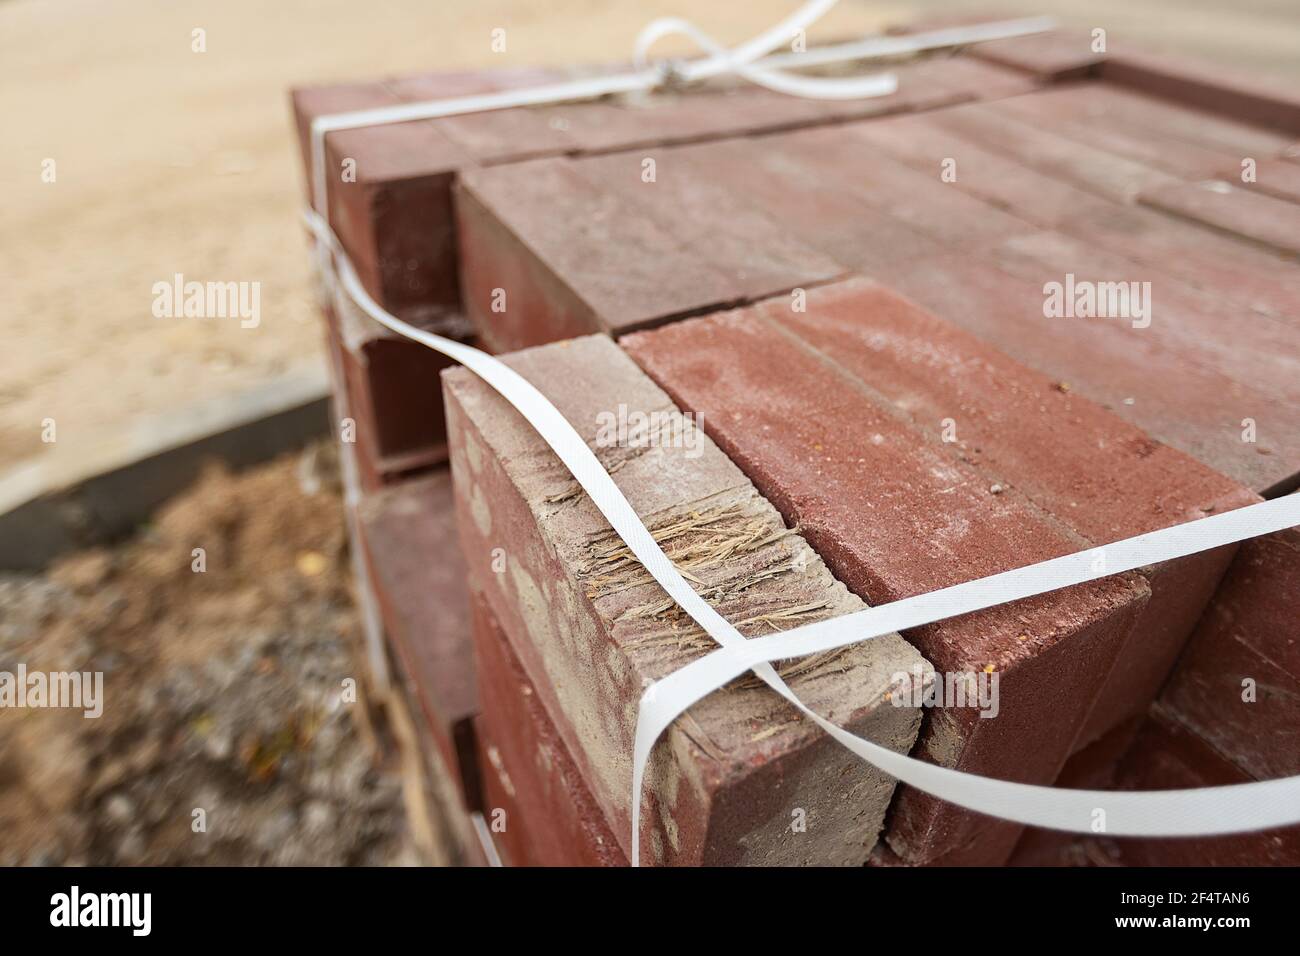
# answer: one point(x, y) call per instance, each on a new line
point(1213, 810)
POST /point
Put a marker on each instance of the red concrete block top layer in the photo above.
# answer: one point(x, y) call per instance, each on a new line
point(1098, 475)
point(971, 209)
point(895, 515)
point(1102, 476)
point(719, 109)
point(381, 179)
point(1247, 276)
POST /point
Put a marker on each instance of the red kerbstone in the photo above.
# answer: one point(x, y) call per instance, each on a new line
point(1210, 87)
point(392, 396)
point(394, 222)
point(915, 199)
point(552, 818)
point(1095, 767)
point(1232, 270)
point(1183, 404)
point(1252, 349)
point(1251, 631)
point(1105, 479)
point(895, 516)
point(838, 221)
point(1195, 397)
point(1104, 106)
point(721, 109)
point(392, 210)
point(408, 539)
point(1057, 55)
point(1052, 56)
point(1092, 169)
point(736, 237)
point(1168, 756)
point(600, 267)
point(590, 626)
point(1272, 222)
point(307, 103)
point(1186, 143)
point(783, 212)
point(395, 218)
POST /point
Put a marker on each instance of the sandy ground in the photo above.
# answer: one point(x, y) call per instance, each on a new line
point(169, 161)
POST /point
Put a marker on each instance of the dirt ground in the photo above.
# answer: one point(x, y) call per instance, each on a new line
point(224, 691)
point(169, 161)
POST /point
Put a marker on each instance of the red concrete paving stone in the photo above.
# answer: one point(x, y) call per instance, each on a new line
point(779, 195)
point(1210, 87)
point(590, 627)
point(398, 418)
point(394, 220)
point(392, 212)
point(1168, 756)
point(819, 212)
point(394, 223)
point(1229, 269)
point(1105, 479)
point(1251, 632)
point(599, 267)
point(919, 201)
point(497, 136)
point(895, 517)
point(1178, 158)
point(1184, 142)
point(1216, 203)
point(1057, 55)
point(553, 820)
point(1095, 767)
point(346, 419)
point(1253, 349)
point(1194, 409)
point(924, 144)
point(393, 396)
point(732, 235)
point(521, 133)
point(408, 538)
point(1273, 177)
point(1093, 170)
point(973, 78)
point(310, 102)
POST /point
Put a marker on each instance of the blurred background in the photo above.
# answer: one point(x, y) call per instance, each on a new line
point(169, 161)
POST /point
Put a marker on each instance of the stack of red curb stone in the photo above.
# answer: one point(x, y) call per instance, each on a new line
point(815, 345)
